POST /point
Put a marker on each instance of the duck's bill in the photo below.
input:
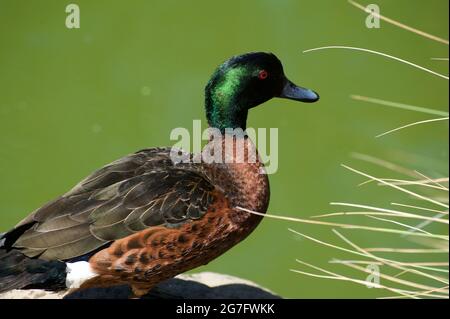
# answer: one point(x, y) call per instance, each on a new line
point(297, 93)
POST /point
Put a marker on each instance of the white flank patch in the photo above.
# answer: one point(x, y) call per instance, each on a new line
point(77, 273)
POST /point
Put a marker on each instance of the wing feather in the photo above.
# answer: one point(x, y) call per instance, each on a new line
point(136, 192)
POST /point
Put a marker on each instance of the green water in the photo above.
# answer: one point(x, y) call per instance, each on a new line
point(74, 100)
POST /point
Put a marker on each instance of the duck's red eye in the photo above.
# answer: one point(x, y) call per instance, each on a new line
point(262, 75)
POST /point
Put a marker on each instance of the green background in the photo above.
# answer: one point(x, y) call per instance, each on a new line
point(74, 100)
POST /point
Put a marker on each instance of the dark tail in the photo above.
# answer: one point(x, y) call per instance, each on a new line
point(18, 271)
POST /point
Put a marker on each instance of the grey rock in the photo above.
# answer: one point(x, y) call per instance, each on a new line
point(205, 285)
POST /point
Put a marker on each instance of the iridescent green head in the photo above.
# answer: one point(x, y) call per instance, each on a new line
point(246, 81)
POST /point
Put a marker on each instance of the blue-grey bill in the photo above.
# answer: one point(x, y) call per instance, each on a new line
point(297, 93)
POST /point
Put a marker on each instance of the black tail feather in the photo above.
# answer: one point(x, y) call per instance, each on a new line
point(18, 271)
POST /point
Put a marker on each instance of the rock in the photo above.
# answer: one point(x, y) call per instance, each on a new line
point(32, 294)
point(204, 285)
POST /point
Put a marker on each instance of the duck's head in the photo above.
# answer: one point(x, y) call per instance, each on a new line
point(246, 81)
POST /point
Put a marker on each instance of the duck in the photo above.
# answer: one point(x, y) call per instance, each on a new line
point(144, 218)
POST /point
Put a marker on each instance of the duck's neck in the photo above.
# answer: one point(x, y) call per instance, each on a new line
point(239, 172)
point(225, 105)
